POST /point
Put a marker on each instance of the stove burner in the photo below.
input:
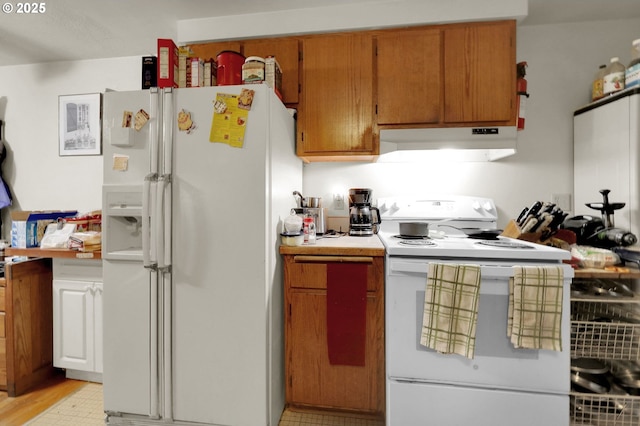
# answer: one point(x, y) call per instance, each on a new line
point(505, 244)
point(411, 237)
point(417, 242)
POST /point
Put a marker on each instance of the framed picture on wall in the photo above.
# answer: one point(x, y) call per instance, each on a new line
point(79, 124)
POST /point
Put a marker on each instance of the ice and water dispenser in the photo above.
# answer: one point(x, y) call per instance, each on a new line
point(122, 222)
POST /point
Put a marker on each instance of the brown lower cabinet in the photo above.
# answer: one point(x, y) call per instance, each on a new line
point(311, 380)
point(26, 326)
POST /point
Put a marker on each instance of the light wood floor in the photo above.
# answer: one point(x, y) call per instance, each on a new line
point(19, 410)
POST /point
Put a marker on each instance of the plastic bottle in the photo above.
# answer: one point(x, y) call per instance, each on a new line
point(613, 80)
point(597, 89)
point(253, 69)
point(309, 230)
point(632, 75)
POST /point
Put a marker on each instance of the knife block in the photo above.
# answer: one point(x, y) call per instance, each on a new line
point(512, 230)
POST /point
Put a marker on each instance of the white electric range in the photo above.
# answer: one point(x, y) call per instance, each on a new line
point(501, 385)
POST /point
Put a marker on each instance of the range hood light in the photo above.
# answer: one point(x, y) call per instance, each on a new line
point(445, 155)
point(452, 144)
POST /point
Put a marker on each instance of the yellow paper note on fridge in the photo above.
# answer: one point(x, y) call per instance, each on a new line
point(229, 122)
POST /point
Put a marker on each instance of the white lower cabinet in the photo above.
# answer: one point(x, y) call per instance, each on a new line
point(77, 318)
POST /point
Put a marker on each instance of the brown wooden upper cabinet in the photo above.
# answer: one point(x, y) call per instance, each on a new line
point(445, 76)
point(285, 51)
point(336, 110)
point(409, 80)
point(449, 75)
point(480, 73)
point(349, 85)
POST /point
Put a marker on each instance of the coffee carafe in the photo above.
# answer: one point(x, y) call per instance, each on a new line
point(363, 219)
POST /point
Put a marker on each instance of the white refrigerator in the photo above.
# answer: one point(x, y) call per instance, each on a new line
point(607, 156)
point(193, 293)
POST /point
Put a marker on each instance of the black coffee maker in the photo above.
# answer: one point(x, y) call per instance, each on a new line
point(363, 219)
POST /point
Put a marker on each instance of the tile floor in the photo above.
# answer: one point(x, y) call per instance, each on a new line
point(84, 408)
point(81, 408)
point(293, 418)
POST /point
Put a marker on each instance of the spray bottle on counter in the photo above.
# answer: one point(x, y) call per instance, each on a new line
point(309, 230)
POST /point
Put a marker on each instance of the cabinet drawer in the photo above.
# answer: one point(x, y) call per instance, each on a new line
point(2, 304)
point(304, 274)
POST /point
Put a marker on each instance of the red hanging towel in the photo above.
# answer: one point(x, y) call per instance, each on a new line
point(346, 313)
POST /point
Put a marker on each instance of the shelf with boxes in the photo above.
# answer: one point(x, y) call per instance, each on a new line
point(605, 350)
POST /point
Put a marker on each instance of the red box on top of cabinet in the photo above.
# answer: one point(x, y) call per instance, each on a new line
point(167, 63)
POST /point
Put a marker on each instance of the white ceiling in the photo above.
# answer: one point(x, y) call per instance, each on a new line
point(89, 29)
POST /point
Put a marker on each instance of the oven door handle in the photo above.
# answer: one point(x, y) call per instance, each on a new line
point(487, 272)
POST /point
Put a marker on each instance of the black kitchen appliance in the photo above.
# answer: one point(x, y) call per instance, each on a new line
point(363, 219)
point(600, 232)
point(606, 208)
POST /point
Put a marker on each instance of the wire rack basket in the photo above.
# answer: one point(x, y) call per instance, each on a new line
point(604, 410)
point(608, 331)
point(604, 331)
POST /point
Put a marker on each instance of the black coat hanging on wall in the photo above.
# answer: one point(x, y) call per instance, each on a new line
point(5, 193)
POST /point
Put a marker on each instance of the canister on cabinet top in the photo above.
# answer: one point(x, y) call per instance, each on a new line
point(253, 69)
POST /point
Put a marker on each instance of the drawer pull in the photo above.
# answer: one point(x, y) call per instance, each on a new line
point(329, 259)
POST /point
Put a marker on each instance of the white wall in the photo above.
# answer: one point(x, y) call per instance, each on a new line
point(38, 177)
point(562, 61)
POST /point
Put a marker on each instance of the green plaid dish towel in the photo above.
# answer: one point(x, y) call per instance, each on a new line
point(451, 308)
point(535, 307)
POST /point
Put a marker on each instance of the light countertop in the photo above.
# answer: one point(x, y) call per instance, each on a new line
point(339, 246)
point(53, 253)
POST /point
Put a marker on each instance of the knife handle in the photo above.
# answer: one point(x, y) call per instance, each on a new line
point(529, 224)
point(522, 215)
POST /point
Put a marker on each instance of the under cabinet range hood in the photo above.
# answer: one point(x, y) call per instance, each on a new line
point(455, 144)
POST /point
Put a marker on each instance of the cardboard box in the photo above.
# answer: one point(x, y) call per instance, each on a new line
point(273, 74)
point(27, 227)
point(149, 72)
point(167, 63)
point(197, 72)
point(184, 53)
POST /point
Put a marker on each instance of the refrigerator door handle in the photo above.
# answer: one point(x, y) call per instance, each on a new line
point(156, 109)
point(154, 345)
point(164, 201)
point(167, 131)
point(149, 213)
point(162, 225)
point(166, 252)
point(167, 345)
point(148, 259)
